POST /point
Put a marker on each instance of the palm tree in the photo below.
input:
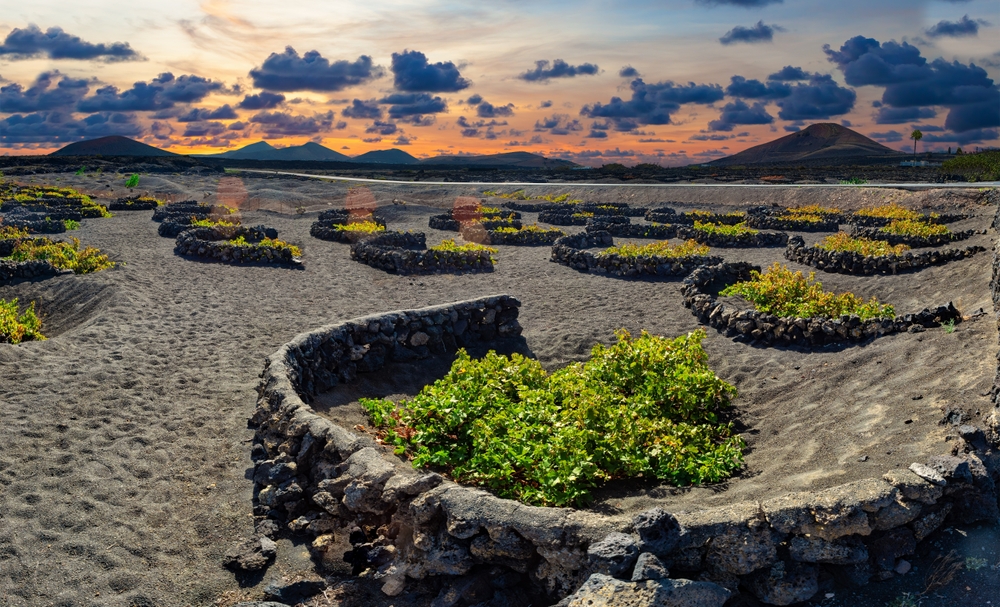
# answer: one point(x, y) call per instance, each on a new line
point(916, 136)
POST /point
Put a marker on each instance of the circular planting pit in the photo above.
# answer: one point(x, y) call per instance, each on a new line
point(189, 209)
point(848, 262)
point(668, 215)
point(406, 253)
point(524, 237)
point(134, 203)
point(571, 251)
point(329, 225)
point(415, 530)
point(701, 291)
point(934, 240)
point(215, 244)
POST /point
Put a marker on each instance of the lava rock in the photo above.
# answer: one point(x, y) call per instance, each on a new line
point(784, 584)
point(659, 532)
point(648, 567)
point(604, 591)
point(614, 555)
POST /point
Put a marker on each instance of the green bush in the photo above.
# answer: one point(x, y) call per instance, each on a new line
point(16, 326)
point(365, 227)
point(724, 230)
point(452, 246)
point(909, 227)
point(645, 407)
point(981, 166)
point(63, 255)
point(267, 243)
point(781, 292)
point(71, 224)
point(690, 248)
point(841, 241)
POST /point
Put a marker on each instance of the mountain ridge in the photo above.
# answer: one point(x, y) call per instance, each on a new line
point(823, 141)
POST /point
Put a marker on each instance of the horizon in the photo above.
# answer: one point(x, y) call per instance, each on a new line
point(687, 83)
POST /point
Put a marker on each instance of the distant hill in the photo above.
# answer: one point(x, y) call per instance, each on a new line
point(393, 156)
point(822, 142)
point(263, 150)
point(524, 160)
point(110, 146)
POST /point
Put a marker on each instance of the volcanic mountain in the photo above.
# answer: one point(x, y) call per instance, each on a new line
point(114, 145)
point(523, 160)
point(393, 156)
point(263, 150)
point(824, 142)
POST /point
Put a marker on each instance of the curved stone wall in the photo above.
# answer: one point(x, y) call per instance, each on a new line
point(13, 270)
point(133, 203)
point(867, 221)
point(667, 215)
point(187, 208)
point(635, 230)
point(212, 243)
point(523, 238)
point(36, 226)
point(316, 478)
point(575, 218)
point(771, 222)
point(845, 262)
point(570, 251)
point(752, 325)
point(913, 241)
point(400, 253)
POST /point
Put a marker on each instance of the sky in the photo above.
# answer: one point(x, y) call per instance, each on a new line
point(671, 82)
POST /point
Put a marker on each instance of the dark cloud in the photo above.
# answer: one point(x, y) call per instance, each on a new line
point(413, 104)
point(818, 99)
point(403, 140)
point(741, 3)
point(738, 112)
point(284, 124)
point(372, 139)
point(312, 72)
point(788, 73)
point(710, 137)
point(956, 29)
point(162, 92)
point(61, 127)
point(418, 120)
point(887, 137)
point(910, 81)
point(545, 104)
point(475, 99)
point(54, 43)
point(200, 114)
point(902, 115)
point(628, 72)
point(558, 69)
point(163, 131)
point(487, 110)
point(41, 95)
point(412, 73)
point(750, 35)
point(366, 110)
point(755, 89)
point(652, 103)
point(382, 128)
point(965, 138)
point(558, 124)
point(846, 123)
point(791, 128)
point(262, 101)
point(595, 134)
point(237, 126)
point(204, 129)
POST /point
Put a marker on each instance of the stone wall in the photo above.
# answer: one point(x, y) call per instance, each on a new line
point(846, 262)
point(212, 243)
point(747, 239)
point(398, 253)
point(912, 241)
point(187, 208)
point(666, 215)
point(771, 222)
point(577, 218)
point(867, 221)
point(133, 203)
point(571, 251)
point(315, 478)
point(489, 222)
point(55, 207)
point(752, 325)
point(13, 270)
point(524, 238)
point(36, 226)
point(635, 230)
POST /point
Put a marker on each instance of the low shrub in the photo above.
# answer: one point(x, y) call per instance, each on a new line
point(71, 224)
point(642, 407)
point(842, 241)
point(981, 166)
point(781, 292)
point(909, 227)
point(888, 211)
point(724, 230)
point(365, 227)
point(9, 232)
point(63, 255)
point(452, 247)
point(708, 215)
point(489, 210)
point(266, 243)
point(17, 326)
point(583, 215)
point(529, 228)
point(211, 223)
point(690, 248)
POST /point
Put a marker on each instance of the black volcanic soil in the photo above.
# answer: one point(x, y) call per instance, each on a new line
point(124, 468)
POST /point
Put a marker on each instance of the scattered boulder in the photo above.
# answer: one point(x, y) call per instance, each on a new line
point(605, 591)
point(648, 567)
point(251, 555)
point(659, 532)
point(614, 555)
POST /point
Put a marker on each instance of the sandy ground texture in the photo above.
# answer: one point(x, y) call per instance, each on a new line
point(125, 459)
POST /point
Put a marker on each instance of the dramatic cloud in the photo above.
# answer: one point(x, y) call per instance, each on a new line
point(284, 124)
point(910, 81)
point(740, 3)
point(366, 110)
point(818, 99)
point(545, 104)
point(54, 43)
point(737, 113)
point(559, 69)
point(887, 137)
point(402, 105)
point(382, 128)
point(262, 101)
point(789, 73)
point(475, 99)
point(412, 73)
point(485, 109)
point(750, 35)
point(652, 103)
point(41, 96)
point(710, 137)
point(964, 138)
point(312, 72)
point(200, 114)
point(902, 115)
point(52, 127)
point(558, 124)
point(403, 140)
point(956, 29)
point(628, 72)
point(204, 129)
point(162, 92)
point(755, 89)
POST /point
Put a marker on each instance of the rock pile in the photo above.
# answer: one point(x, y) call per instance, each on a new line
point(213, 243)
point(913, 241)
point(405, 253)
point(133, 203)
point(571, 251)
point(847, 262)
